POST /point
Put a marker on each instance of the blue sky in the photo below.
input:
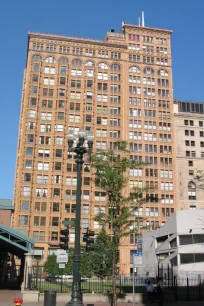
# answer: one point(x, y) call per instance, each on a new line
point(92, 19)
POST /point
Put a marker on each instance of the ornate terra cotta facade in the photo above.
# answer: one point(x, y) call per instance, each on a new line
point(121, 88)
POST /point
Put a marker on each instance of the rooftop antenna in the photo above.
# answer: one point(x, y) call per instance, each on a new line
point(143, 21)
point(139, 21)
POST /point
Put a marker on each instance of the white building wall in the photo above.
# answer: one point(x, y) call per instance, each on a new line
point(184, 222)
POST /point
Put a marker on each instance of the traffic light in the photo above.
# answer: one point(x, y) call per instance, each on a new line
point(88, 237)
point(64, 238)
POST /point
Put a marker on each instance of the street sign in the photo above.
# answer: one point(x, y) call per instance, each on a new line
point(62, 258)
point(67, 222)
point(137, 259)
point(61, 266)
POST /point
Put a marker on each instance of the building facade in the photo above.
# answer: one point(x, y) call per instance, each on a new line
point(189, 130)
point(178, 244)
point(121, 89)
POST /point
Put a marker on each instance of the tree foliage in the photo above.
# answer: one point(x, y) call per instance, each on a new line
point(112, 176)
point(51, 266)
point(100, 258)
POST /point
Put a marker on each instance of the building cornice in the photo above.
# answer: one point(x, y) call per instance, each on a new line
point(147, 28)
point(75, 40)
point(189, 115)
point(188, 101)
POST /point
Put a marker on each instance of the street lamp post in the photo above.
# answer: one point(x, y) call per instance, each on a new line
point(79, 150)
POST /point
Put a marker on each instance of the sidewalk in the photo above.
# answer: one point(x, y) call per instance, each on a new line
point(119, 304)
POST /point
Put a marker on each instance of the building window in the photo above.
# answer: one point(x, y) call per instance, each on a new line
point(25, 205)
point(24, 220)
point(54, 236)
point(55, 221)
point(28, 164)
point(85, 209)
point(63, 61)
point(115, 67)
point(50, 60)
point(40, 206)
point(102, 66)
point(191, 191)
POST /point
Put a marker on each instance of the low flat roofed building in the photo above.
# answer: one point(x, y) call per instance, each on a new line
point(179, 244)
point(6, 210)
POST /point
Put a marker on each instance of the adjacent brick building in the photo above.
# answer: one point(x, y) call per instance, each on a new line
point(189, 131)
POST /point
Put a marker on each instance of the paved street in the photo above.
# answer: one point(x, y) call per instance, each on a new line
point(7, 296)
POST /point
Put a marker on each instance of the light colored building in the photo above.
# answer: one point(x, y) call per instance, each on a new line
point(121, 88)
point(189, 130)
point(179, 244)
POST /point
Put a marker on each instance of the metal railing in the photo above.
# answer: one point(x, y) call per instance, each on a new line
point(176, 288)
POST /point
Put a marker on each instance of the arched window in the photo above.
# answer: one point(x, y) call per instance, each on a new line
point(163, 73)
point(63, 60)
point(191, 191)
point(37, 58)
point(115, 67)
point(134, 69)
point(89, 64)
point(102, 66)
point(148, 71)
point(76, 63)
point(50, 60)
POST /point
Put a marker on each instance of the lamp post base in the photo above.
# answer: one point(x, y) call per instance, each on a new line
point(76, 299)
point(75, 302)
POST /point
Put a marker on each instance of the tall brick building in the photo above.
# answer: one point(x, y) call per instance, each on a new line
point(121, 89)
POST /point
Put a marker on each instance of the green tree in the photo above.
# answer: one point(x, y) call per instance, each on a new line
point(112, 176)
point(100, 257)
point(51, 266)
point(86, 266)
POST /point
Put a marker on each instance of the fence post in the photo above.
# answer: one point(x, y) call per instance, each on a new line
point(28, 265)
point(61, 284)
point(37, 275)
point(172, 276)
point(200, 292)
point(40, 281)
point(25, 276)
point(120, 285)
point(175, 287)
point(168, 275)
point(187, 289)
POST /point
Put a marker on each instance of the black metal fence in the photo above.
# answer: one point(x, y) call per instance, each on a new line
point(37, 280)
point(175, 288)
